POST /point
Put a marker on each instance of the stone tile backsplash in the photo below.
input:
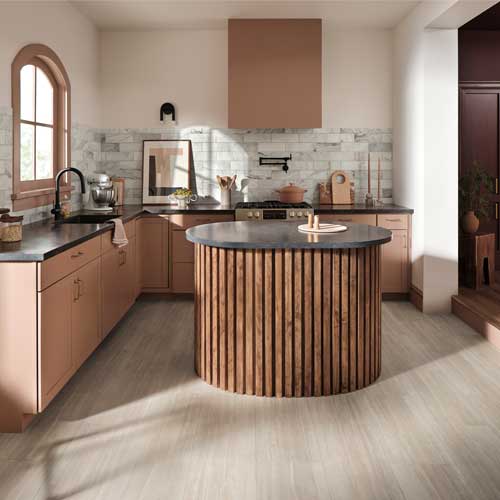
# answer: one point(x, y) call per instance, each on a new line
point(316, 153)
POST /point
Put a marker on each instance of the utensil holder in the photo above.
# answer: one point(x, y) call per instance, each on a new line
point(225, 197)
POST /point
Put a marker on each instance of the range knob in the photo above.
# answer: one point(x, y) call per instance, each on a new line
point(292, 214)
point(249, 215)
point(300, 214)
point(257, 215)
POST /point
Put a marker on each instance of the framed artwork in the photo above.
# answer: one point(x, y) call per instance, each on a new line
point(166, 166)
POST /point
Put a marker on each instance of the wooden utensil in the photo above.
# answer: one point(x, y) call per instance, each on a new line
point(325, 193)
point(225, 182)
point(119, 187)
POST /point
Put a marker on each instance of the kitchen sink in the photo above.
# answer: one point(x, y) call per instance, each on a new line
point(87, 219)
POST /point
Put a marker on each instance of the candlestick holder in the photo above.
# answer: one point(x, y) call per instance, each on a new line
point(369, 202)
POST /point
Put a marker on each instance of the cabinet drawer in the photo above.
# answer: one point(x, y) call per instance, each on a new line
point(65, 263)
point(181, 221)
point(352, 218)
point(393, 221)
point(183, 277)
point(107, 238)
point(182, 249)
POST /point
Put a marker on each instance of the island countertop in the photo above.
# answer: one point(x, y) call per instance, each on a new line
point(284, 235)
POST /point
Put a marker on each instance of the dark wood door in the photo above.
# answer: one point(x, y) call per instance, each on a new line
point(480, 141)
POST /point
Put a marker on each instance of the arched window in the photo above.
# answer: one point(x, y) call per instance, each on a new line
point(41, 98)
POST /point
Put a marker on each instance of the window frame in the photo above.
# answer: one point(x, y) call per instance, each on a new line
point(36, 193)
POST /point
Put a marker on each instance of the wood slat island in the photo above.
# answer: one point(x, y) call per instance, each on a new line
point(283, 313)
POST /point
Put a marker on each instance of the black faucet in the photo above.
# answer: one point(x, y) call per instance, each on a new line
point(57, 205)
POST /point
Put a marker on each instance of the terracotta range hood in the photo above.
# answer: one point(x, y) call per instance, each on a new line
point(274, 73)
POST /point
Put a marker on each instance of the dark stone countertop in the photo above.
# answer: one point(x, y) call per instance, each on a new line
point(255, 235)
point(193, 208)
point(357, 208)
point(361, 208)
point(45, 239)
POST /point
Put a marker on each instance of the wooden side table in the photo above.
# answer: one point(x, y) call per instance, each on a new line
point(477, 259)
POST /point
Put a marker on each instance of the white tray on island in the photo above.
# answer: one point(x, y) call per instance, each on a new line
point(323, 228)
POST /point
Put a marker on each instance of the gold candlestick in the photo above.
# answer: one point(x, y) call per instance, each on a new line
point(369, 197)
point(369, 176)
point(378, 183)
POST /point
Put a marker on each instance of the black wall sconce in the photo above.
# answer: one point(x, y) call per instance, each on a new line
point(269, 160)
point(167, 108)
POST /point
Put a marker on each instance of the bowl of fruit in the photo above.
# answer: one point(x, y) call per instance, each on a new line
point(183, 197)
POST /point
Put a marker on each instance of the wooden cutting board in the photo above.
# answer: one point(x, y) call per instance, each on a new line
point(341, 188)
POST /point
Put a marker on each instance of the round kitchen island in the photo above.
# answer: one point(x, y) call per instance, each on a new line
point(279, 312)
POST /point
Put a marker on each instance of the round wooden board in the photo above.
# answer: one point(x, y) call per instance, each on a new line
point(323, 228)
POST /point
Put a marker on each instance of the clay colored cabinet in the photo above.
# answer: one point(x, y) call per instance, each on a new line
point(394, 277)
point(54, 339)
point(69, 328)
point(153, 252)
point(70, 301)
point(274, 73)
point(395, 255)
point(85, 312)
point(118, 284)
point(370, 219)
point(182, 251)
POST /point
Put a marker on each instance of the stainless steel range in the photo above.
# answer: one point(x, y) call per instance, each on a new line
point(272, 210)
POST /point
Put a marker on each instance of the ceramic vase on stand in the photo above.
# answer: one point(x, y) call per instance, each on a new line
point(470, 223)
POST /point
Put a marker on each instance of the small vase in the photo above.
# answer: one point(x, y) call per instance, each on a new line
point(470, 223)
point(182, 203)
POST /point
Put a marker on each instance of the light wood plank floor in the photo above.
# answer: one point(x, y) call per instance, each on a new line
point(136, 423)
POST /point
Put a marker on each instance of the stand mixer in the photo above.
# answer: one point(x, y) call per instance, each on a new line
point(101, 193)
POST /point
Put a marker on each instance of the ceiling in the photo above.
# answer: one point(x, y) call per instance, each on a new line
point(488, 20)
point(125, 15)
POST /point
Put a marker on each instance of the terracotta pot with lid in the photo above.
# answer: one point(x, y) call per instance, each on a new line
point(291, 193)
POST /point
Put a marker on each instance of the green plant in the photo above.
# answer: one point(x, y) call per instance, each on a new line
point(474, 189)
point(183, 193)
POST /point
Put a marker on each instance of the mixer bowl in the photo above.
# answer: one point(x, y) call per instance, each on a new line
point(103, 196)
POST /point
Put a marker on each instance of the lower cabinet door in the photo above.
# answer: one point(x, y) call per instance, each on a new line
point(112, 286)
point(54, 339)
point(153, 251)
point(130, 270)
point(118, 284)
point(183, 277)
point(394, 278)
point(85, 313)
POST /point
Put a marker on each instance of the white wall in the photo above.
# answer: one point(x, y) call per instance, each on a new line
point(66, 31)
point(357, 78)
point(440, 269)
point(141, 70)
point(425, 112)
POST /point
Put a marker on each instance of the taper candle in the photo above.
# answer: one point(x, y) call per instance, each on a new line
point(369, 180)
point(378, 185)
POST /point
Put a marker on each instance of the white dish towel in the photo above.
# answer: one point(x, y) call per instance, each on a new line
point(119, 235)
